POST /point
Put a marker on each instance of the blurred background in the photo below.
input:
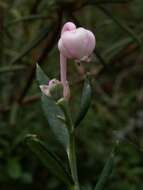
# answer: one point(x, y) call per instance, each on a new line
point(29, 31)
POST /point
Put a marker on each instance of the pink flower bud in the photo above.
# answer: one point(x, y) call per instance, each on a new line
point(76, 43)
point(54, 89)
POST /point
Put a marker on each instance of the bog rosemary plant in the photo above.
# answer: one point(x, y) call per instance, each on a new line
point(77, 44)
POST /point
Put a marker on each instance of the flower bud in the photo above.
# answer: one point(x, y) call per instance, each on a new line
point(54, 89)
point(76, 43)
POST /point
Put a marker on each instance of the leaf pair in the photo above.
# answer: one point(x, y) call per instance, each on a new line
point(53, 112)
point(57, 119)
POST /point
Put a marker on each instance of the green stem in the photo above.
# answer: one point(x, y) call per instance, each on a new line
point(72, 161)
point(71, 145)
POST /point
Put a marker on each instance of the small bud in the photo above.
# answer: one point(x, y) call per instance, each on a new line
point(54, 89)
point(76, 43)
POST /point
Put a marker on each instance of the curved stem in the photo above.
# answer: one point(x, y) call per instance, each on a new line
point(63, 75)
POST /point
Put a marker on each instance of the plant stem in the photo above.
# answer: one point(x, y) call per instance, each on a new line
point(71, 152)
point(72, 161)
point(63, 74)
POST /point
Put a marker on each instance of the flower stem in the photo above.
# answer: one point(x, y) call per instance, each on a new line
point(71, 146)
point(63, 74)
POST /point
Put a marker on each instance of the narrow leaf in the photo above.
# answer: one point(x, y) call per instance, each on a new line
point(106, 172)
point(53, 114)
point(85, 101)
point(41, 76)
point(49, 159)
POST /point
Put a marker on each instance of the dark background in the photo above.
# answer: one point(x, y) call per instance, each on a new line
point(29, 31)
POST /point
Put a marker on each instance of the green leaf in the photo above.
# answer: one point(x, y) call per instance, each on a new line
point(53, 114)
point(49, 159)
point(52, 111)
point(107, 170)
point(41, 76)
point(85, 101)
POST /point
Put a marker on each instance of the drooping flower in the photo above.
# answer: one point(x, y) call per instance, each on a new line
point(76, 43)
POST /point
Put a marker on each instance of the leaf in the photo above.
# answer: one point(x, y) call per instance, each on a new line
point(107, 170)
point(53, 114)
point(52, 111)
point(40, 37)
point(49, 159)
point(85, 101)
point(41, 76)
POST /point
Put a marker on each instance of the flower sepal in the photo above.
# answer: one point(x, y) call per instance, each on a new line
point(54, 89)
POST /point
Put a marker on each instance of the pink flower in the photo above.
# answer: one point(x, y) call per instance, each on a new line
point(76, 43)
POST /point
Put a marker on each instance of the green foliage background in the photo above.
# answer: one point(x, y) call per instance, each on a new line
point(29, 32)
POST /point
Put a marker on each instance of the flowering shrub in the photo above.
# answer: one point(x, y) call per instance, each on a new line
point(111, 77)
point(78, 44)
